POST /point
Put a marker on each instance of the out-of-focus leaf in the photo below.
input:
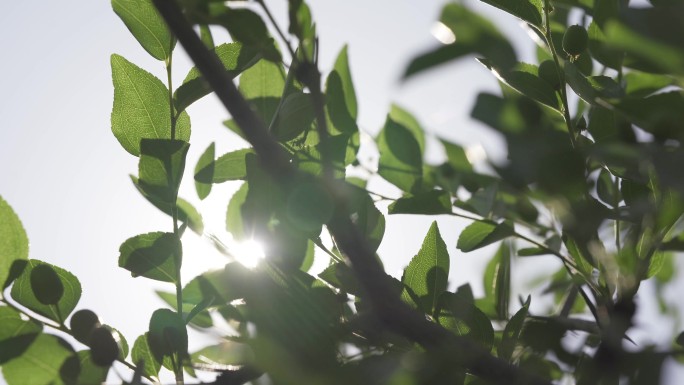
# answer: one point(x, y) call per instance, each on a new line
point(527, 10)
point(234, 224)
point(141, 107)
point(235, 58)
point(428, 271)
point(599, 49)
point(14, 245)
point(650, 55)
point(408, 121)
point(206, 161)
point(401, 161)
point(227, 167)
point(482, 233)
point(497, 281)
point(474, 35)
point(147, 26)
point(426, 203)
point(16, 335)
point(606, 189)
point(341, 276)
point(40, 363)
point(223, 354)
point(23, 294)
point(512, 331)
point(152, 255)
point(368, 219)
point(80, 369)
point(660, 114)
point(641, 84)
point(194, 314)
point(161, 166)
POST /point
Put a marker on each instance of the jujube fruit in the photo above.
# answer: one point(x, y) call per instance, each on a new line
point(46, 285)
point(82, 324)
point(575, 40)
point(549, 73)
point(103, 347)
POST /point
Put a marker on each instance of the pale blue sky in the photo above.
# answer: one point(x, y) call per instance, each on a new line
point(67, 177)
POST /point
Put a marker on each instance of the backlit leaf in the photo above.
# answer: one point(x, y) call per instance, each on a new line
point(227, 167)
point(401, 160)
point(141, 107)
point(512, 331)
point(528, 10)
point(427, 273)
point(14, 244)
point(152, 255)
point(206, 163)
point(427, 203)
point(40, 363)
point(161, 166)
point(340, 95)
point(148, 27)
point(23, 293)
point(16, 334)
point(142, 355)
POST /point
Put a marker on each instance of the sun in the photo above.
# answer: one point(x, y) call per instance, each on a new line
point(249, 252)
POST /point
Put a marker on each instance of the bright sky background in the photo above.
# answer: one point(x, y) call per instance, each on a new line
point(66, 176)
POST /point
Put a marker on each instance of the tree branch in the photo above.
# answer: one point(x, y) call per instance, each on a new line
point(389, 308)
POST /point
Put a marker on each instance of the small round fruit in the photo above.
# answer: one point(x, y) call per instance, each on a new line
point(103, 347)
point(46, 285)
point(82, 324)
point(549, 73)
point(575, 40)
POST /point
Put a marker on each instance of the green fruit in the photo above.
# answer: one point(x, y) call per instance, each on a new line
point(82, 324)
point(575, 40)
point(549, 73)
point(46, 285)
point(103, 347)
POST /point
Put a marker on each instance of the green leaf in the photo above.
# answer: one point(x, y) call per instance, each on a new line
point(426, 203)
point(142, 355)
point(152, 255)
point(206, 36)
point(141, 107)
point(641, 84)
point(511, 333)
point(340, 96)
point(80, 369)
point(147, 26)
point(368, 219)
point(247, 27)
point(161, 166)
point(187, 213)
point(523, 78)
point(193, 313)
point(475, 35)
point(234, 223)
point(206, 161)
point(660, 114)
point(482, 233)
point(227, 167)
point(14, 245)
point(401, 160)
point(341, 276)
point(497, 281)
point(527, 10)
point(235, 58)
point(40, 363)
point(650, 55)
point(601, 51)
point(464, 319)
point(167, 334)
point(16, 335)
point(23, 294)
point(224, 353)
point(456, 156)
point(592, 89)
point(262, 85)
point(295, 115)
point(427, 273)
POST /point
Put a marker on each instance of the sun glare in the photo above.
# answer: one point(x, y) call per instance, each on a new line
point(249, 253)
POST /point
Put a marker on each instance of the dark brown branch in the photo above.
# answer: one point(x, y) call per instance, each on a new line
point(389, 308)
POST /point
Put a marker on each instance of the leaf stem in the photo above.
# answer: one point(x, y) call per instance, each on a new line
point(178, 370)
point(561, 76)
point(277, 28)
